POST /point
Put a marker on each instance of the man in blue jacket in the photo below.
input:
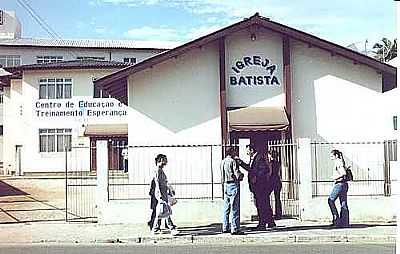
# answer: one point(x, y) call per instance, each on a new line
point(259, 176)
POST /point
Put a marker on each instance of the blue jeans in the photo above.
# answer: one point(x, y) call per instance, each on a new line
point(339, 191)
point(231, 203)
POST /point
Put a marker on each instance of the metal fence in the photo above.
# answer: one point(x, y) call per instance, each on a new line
point(287, 156)
point(192, 170)
point(80, 185)
point(369, 162)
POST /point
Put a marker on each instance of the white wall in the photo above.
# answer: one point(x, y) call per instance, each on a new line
point(177, 101)
point(268, 45)
point(13, 123)
point(22, 123)
point(333, 98)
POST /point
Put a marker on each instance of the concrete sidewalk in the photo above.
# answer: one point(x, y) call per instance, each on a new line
point(288, 231)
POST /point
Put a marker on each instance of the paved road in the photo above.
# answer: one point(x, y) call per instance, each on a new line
point(194, 249)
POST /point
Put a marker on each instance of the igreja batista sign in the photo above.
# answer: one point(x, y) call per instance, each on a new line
point(264, 77)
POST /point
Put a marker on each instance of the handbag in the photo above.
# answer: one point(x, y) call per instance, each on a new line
point(164, 210)
point(172, 200)
point(349, 174)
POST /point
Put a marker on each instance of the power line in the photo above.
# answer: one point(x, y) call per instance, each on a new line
point(37, 18)
point(41, 19)
point(42, 23)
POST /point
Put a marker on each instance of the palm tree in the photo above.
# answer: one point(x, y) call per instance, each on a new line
point(385, 50)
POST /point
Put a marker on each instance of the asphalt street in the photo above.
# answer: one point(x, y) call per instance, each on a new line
point(339, 248)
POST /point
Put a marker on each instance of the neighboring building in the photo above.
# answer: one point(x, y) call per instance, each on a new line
point(16, 51)
point(51, 107)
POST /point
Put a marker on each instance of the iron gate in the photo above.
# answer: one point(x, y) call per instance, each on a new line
point(80, 185)
point(287, 156)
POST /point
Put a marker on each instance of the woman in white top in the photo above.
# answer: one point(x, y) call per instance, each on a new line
point(161, 189)
point(340, 189)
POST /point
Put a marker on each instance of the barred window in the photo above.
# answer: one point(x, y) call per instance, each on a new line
point(54, 140)
point(55, 88)
point(49, 59)
point(10, 60)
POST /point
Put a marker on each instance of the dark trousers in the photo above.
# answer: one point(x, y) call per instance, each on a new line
point(263, 205)
point(277, 187)
point(339, 191)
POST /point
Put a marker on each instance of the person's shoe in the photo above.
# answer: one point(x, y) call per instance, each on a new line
point(259, 228)
point(237, 233)
point(277, 217)
point(226, 231)
point(149, 224)
point(335, 222)
point(271, 225)
point(155, 231)
point(174, 232)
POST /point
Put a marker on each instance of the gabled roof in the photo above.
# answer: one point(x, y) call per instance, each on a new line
point(73, 64)
point(253, 20)
point(87, 43)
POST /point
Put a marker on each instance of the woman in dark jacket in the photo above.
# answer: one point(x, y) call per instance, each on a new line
point(276, 182)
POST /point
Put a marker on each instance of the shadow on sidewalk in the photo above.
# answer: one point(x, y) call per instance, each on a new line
point(18, 206)
point(9, 190)
point(210, 229)
point(247, 228)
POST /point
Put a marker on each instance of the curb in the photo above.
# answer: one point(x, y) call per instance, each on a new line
point(233, 240)
point(224, 240)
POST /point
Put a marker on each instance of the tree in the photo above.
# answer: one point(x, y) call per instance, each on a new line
point(385, 50)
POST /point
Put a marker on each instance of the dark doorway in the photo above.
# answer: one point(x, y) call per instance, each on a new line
point(258, 138)
point(115, 146)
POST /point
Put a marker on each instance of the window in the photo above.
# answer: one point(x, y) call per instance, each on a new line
point(1, 130)
point(1, 96)
point(49, 59)
point(55, 88)
point(99, 93)
point(131, 60)
point(54, 140)
point(91, 58)
point(10, 60)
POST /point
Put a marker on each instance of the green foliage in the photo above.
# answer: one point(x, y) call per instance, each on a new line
point(385, 50)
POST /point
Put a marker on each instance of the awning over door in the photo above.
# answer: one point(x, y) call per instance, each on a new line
point(105, 130)
point(258, 119)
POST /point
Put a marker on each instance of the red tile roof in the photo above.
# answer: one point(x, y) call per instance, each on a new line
point(73, 64)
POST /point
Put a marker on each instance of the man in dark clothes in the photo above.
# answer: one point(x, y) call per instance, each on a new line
point(259, 176)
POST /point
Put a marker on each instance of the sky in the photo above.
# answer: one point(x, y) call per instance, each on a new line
point(178, 21)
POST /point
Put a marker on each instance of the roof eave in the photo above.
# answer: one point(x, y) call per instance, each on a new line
point(254, 20)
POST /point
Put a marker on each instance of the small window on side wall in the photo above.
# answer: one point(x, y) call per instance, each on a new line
point(131, 60)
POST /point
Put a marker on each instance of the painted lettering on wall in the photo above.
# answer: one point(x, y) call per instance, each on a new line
point(268, 70)
point(85, 108)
